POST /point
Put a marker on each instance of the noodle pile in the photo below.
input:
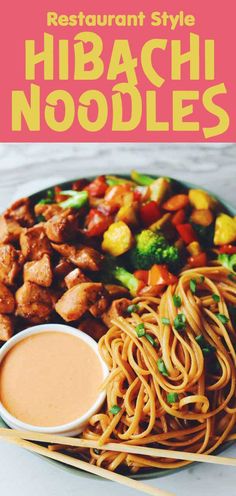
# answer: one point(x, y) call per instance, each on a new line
point(172, 390)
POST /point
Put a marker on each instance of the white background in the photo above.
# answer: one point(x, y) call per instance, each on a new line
point(25, 168)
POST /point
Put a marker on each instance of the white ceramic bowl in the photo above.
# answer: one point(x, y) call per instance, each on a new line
point(76, 426)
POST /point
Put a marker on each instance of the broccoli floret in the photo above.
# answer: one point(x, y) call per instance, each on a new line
point(127, 279)
point(152, 248)
point(113, 272)
point(228, 261)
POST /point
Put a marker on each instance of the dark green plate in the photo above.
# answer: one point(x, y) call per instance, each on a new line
point(152, 473)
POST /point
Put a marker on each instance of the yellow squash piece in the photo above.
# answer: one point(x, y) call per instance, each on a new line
point(225, 230)
point(128, 214)
point(201, 200)
point(159, 189)
point(194, 248)
point(117, 239)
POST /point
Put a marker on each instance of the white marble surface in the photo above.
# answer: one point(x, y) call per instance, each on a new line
point(25, 168)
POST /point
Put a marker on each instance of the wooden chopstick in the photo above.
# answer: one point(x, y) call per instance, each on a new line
point(119, 447)
point(93, 469)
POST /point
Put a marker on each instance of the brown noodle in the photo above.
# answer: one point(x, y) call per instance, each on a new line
point(204, 416)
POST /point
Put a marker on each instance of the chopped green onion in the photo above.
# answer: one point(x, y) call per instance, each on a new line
point(216, 298)
point(193, 285)
point(140, 329)
point(132, 308)
point(165, 321)
point(206, 347)
point(200, 340)
point(150, 339)
point(115, 409)
point(76, 200)
point(223, 318)
point(51, 194)
point(180, 322)
point(177, 301)
point(172, 397)
point(96, 451)
point(49, 198)
point(161, 367)
point(202, 279)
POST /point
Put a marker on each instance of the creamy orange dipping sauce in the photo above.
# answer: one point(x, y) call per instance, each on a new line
point(50, 379)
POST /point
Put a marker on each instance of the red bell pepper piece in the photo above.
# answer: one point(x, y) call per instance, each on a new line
point(228, 249)
point(142, 275)
point(198, 260)
point(159, 274)
point(97, 187)
point(97, 223)
point(187, 233)
point(149, 213)
point(178, 217)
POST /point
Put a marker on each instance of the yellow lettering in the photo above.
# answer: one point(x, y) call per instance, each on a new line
point(32, 58)
point(52, 101)
point(179, 111)
point(92, 57)
point(83, 110)
point(178, 58)
point(214, 109)
point(118, 123)
point(121, 52)
point(146, 61)
point(21, 108)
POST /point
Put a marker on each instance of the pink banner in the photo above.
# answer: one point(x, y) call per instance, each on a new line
point(133, 71)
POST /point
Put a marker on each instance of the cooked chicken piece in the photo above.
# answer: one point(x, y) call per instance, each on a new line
point(11, 261)
point(77, 300)
point(6, 327)
point(34, 243)
point(63, 268)
point(47, 211)
point(34, 303)
point(10, 230)
point(62, 227)
point(85, 257)
point(75, 277)
point(7, 301)
point(20, 211)
point(100, 306)
point(115, 291)
point(93, 327)
point(39, 271)
point(117, 309)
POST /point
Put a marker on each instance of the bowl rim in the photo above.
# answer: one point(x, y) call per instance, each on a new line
point(152, 473)
point(71, 428)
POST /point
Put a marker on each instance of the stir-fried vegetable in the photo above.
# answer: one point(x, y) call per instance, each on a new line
point(225, 230)
point(155, 226)
point(117, 239)
point(149, 213)
point(201, 200)
point(141, 179)
point(77, 199)
point(152, 248)
point(228, 261)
